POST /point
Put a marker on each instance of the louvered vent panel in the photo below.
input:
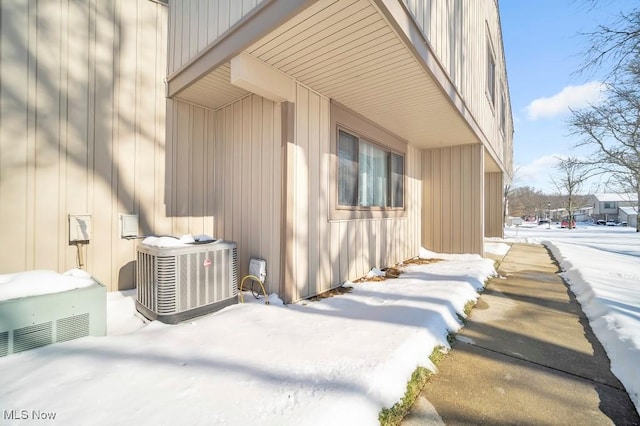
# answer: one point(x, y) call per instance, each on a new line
point(202, 272)
point(4, 343)
point(32, 336)
point(192, 279)
point(146, 280)
point(166, 281)
point(234, 276)
point(72, 327)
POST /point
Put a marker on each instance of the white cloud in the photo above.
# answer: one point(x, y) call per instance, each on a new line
point(569, 97)
point(537, 173)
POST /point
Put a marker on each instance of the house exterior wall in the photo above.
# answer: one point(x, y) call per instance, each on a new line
point(600, 212)
point(453, 199)
point(323, 253)
point(195, 24)
point(493, 205)
point(82, 130)
point(224, 177)
point(248, 182)
point(459, 32)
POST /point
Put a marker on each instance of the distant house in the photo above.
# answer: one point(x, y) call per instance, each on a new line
point(606, 206)
point(326, 137)
point(580, 214)
point(629, 215)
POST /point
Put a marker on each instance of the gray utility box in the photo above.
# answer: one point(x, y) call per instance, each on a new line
point(33, 321)
point(179, 283)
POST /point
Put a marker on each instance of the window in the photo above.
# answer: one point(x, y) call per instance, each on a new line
point(503, 113)
point(609, 205)
point(368, 172)
point(491, 75)
point(370, 176)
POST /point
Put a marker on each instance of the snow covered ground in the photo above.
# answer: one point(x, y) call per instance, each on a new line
point(335, 361)
point(602, 266)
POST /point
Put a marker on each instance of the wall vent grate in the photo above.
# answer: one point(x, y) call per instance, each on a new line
point(32, 336)
point(72, 327)
point(4, 343)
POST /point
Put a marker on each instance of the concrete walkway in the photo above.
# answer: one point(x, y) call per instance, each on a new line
point(526, 356)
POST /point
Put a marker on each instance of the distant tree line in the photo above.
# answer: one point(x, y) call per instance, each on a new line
point(528, 202)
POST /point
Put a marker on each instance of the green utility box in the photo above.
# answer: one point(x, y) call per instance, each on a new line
point(38, 320)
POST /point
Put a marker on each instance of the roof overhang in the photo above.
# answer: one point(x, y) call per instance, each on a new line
point(368, 55)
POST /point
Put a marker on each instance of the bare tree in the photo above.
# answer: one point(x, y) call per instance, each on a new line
point(525, 201)
point(612, 128)
point(569, 181)
point(613, 45)
point(508, 189)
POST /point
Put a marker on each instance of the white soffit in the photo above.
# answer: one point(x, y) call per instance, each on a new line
point(347, 51)
point(214, 90)
point(490, 164)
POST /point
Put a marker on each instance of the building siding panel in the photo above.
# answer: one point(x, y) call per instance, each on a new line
point(494, 195)
point(196, 24)
point(458, 32)
point(444, 191)
point(228, 176)
point(326, 253)
point(77, 134)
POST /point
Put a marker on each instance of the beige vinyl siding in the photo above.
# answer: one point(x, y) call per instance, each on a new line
point(458, 31)
point(493, 204)
point(322, 254)
point(453, 203)
point(195, 24)
point(81, 130)
point(224, 174)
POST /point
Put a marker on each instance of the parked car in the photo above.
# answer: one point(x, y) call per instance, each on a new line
point(543, 222)
point(601, 222)
point(565, 223)
point(611, 223)
point(623, 224)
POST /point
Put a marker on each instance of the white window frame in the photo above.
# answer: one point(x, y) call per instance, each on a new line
point(491, 83)
point(389, 194)
point(503, 111)
point(345, 120)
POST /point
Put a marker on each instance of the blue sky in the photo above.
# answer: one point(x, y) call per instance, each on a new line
point(543, 50)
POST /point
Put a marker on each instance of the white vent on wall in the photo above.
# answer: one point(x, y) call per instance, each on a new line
point(128, 225)
point(178, 283)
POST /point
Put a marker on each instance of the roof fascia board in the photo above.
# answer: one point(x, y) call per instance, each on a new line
point(241, 35)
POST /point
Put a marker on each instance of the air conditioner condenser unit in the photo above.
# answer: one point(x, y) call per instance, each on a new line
point(179, 283)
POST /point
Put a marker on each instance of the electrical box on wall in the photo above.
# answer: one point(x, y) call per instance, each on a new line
point(79, 228)
point(128, 225)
